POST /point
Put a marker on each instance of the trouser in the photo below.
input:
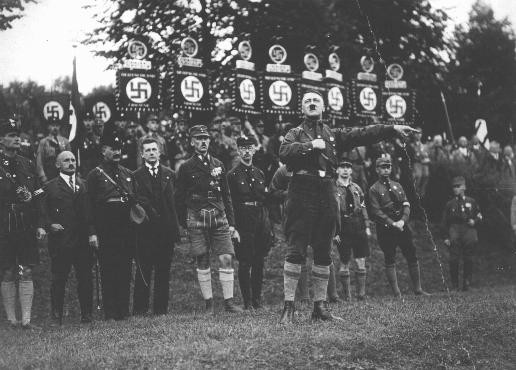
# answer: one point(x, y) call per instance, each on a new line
point(61, 262)
point(389, 238)
point(311, 214)
point(463, 242)
point(152, 253)
point(250, 278)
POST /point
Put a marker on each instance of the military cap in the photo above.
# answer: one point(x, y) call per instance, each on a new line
point(111, 138)
point(459, 180)
point(235, 121)
point(245, 141)
point(345, 162)
point(53, 120)
point(152, 116)
point(88, 116)
point(198, 130)
point(8, 126)
point(383, 159)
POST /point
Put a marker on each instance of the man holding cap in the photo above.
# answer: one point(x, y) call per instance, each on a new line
point(110, 207)
point(461, 215)
point(309, 150)
point(19, 205)
point(390, 209)
point(249, 193)
point(205, 210)
point(353, 229)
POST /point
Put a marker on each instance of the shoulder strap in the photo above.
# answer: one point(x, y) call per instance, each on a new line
point(117, 186)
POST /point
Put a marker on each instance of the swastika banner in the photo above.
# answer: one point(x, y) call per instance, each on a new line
point(311, 85)
point(246, 92)
point(137, 90)
point(55, 105)
point(365, 99)
point(398, 106)
point(280, 94)
point(101, 106)
point(337, 100)
point(191, 89)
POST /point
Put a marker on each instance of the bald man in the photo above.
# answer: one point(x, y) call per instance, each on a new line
point(67, 220)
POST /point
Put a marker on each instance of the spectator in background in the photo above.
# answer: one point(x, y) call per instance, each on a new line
point(463, 161)
point(420, 163)
point(48, 150)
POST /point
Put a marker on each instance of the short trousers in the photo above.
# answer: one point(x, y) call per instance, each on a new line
point(208, 231)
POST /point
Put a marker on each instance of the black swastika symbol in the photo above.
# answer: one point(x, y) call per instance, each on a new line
point(100, 111)
point(137, 50)
point(139, 90)
point(396, 106)
point(368, 98)
point(192, 89)
point(280, 93)
point(247, 91)
point(53, 111)
point(335, 99)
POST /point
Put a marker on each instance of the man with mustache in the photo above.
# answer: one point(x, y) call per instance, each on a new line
point(110, 208)
point(309, 150)
point(67, 219)
point(205, 210)
point(48, 150)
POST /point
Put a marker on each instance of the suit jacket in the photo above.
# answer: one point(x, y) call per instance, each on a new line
point(168, 215)
point(61, 205)
point(197, 188)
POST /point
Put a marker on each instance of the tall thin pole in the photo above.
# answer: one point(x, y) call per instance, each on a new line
point(447, 118)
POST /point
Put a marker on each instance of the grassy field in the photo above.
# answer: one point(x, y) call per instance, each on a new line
point(476, 329)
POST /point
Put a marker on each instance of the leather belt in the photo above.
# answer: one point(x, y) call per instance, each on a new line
point(255, 204)
point(117, 200)
point(311, 174)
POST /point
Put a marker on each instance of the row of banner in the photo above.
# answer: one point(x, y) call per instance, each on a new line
point(274, 91)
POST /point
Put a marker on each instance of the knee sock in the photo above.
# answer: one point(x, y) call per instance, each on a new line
point(302, 285)
point(320, 275)
point(227, 279)
point(204, 277)
point(291, 274)
point(26, 293)
point(9, 299)
point(332, 283)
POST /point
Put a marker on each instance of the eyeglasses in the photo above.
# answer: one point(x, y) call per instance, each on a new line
point(246, 147)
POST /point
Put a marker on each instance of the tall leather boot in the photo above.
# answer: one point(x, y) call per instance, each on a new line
point(256, 284)
point(361, 282)
point(416, 279)
point(390, 272)
point(289, 310)
point(468, 272)
point(454, 274)
point(245, 284)
point(345, 279)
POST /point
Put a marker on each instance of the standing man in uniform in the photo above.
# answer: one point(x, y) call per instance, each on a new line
point(309, 150)
point(461, 215)
point(353, 229)
point(206, 212)
point(48, 150)
point(156, 237)
point(19, 204)
point(249, 192)
point(390, 210)
point(111, 206)
point(66, 215)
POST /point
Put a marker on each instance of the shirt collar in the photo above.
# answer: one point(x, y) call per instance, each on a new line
point(66, 178)
point(149, 166)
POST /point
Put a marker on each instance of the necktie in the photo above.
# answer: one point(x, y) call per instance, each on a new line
point(154, 171)
point(70, 182)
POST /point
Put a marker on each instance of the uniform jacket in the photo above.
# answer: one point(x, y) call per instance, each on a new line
point(247, 184)
point(100, 189)
point(24, 173)
point(168, 215)
point(71, 209)
point(48, 149)
point(359, 207)
point(297, 153)
point(459, 211)
point(385, 210)
point(199, 187)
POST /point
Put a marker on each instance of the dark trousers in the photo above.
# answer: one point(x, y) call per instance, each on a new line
point(152, 253)
point(311, 214)
point(61, 262)
point(250, 278)
point(116, 241)
point(463, 242)
point(389, 238)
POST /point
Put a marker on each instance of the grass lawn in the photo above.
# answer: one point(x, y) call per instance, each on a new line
point(457, 330)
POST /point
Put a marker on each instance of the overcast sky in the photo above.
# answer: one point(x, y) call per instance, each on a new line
point(39, 46)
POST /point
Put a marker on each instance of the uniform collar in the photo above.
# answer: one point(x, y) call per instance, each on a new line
point(149, 166)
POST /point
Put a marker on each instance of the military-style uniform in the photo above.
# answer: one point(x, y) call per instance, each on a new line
point(249, 193)
point(48, 150)
point(110, 208)
point(389, 204)
point(89, 153)
point(462, 236)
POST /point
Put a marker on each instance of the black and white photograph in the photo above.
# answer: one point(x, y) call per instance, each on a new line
point(258, 184)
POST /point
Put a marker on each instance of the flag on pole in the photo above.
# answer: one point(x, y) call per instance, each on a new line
point(77, 129)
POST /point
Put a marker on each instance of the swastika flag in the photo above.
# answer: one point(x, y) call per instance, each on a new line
point(55, 106)
point(365, 98)
point(191, 89)
point(337, 100)
point(101, 106)
point(246, 92)
point(398, 106)
point(280, 94)
point(137, 90)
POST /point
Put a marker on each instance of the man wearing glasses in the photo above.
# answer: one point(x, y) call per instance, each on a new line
point(390, 210)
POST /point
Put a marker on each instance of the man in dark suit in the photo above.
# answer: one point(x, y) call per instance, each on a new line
point(67, 219)
point(154, 185)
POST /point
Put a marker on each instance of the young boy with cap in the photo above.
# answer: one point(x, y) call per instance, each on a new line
point(461, 215)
